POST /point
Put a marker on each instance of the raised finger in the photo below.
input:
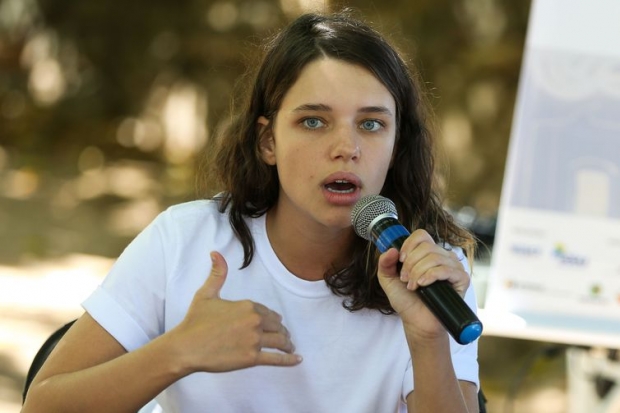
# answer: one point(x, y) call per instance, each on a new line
point(217, 276)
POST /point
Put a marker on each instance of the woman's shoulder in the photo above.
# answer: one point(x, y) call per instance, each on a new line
point(192, 215)
point(199, 207)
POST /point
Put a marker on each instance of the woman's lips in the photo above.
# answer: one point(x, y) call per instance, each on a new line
point(342, 188)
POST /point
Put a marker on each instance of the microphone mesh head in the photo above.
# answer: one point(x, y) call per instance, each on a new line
point(367, 209)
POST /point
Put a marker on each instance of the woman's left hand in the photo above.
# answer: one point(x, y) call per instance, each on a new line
point(423, 262)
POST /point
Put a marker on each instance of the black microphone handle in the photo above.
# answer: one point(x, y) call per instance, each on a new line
point(451, 310)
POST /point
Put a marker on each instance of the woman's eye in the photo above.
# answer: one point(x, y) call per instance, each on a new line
point(371, 125)
point(312, 123)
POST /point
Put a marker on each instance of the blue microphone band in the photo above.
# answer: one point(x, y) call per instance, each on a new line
point(385, 231)
point(389, 237)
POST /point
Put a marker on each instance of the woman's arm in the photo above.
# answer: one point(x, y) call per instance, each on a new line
point(436, 387)
point(89, 371)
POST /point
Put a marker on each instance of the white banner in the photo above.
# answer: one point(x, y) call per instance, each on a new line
point(556, 258)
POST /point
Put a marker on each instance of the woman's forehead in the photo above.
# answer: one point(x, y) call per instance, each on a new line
point(333, 82)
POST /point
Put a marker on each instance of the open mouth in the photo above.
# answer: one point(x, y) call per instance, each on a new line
point(341, 187)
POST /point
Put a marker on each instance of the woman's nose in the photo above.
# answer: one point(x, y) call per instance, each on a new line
point(346, 144)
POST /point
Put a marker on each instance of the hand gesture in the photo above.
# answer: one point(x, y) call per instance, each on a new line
point(218, 335)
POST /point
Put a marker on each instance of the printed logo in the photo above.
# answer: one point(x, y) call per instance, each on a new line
point(526, 250)
point(568, 258)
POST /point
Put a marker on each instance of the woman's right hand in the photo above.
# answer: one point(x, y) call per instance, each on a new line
point(218, 335)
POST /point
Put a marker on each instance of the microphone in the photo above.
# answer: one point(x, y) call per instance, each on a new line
point(374, 218)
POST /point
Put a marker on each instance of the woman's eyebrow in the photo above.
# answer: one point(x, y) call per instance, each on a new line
point(375, 109)
point(326, 108)
point(313, 107)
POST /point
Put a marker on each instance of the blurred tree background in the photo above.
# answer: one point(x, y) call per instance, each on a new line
point(106, 106)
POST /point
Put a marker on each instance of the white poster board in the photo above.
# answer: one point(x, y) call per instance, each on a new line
point(555, 270)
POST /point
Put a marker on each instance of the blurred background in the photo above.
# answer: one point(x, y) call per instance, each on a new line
point(105, 108)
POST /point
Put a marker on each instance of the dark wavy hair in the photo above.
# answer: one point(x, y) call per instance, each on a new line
point(250, 187)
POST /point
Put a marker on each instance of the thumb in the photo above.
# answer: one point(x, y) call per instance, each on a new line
point(217, 276)
point(388, 263)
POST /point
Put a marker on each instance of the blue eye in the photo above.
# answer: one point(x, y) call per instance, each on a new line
point(312, 123)
point(371, 125)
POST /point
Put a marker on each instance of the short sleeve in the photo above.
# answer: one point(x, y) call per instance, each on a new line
point(465, 357)
point(129, 304)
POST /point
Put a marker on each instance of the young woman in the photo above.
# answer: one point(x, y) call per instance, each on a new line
point(263, 299)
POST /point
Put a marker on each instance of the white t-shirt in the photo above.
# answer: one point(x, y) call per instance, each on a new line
point(352, 361)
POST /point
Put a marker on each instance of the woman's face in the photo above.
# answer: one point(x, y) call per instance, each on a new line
point(332, 142)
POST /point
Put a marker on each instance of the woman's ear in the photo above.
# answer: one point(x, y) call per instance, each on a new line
point(266, 142)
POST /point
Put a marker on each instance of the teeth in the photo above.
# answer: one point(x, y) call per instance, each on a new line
point(346, 191)
point(334, 187)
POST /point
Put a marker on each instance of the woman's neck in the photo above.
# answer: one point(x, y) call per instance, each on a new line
point(308, 253)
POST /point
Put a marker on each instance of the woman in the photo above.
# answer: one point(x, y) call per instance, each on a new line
point(294, 313)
